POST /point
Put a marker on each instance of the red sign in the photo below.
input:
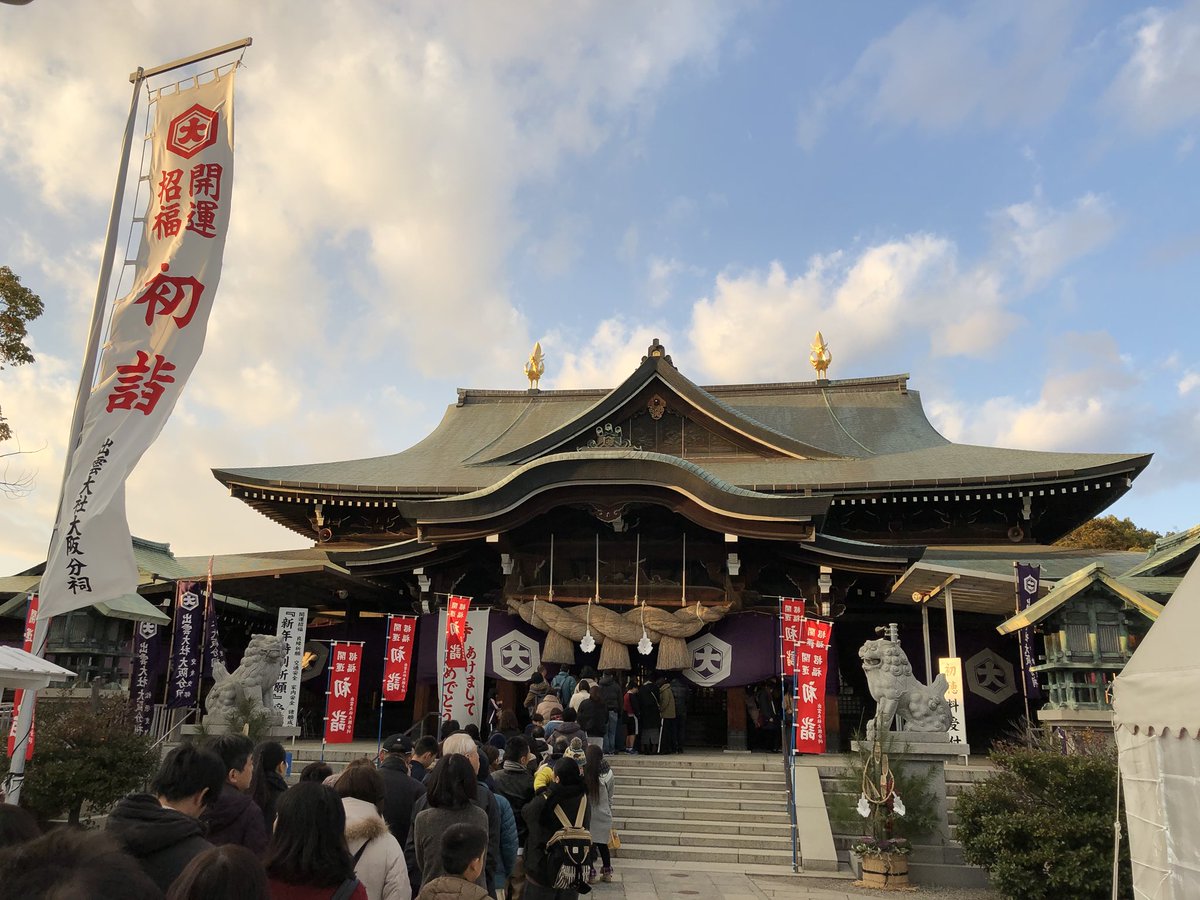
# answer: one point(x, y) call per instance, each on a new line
point(456, 632)
point(30, 622)
point(791, 614)
point(341, 703)
point(398, 662)
point(192, 131)
point(812, 663)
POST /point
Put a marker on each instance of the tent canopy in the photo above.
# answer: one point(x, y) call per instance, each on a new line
point(1159, 690)
point(24, 671)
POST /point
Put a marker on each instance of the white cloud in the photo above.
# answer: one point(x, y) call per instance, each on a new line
point(609, 356)
point(991, 64)
point(1159, 85)
point(1188, 383)
point(1044, 239)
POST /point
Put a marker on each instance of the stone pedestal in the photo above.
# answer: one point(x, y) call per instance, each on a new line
point(920, 753)
point(274, 733)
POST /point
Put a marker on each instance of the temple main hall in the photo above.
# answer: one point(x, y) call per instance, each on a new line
point(692, 510)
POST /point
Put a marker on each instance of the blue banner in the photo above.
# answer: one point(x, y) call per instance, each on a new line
point(147, 665)
point(187, 638)
point(1028, 580)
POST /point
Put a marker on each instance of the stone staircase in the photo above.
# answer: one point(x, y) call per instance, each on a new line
point(704, 811)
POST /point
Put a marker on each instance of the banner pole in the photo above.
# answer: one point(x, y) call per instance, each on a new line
point(328, 683)
point(387, 637)
point(784, 737)
point(1021, 653)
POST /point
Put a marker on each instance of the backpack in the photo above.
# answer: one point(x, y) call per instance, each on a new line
point(564, 686)
point(568, 849)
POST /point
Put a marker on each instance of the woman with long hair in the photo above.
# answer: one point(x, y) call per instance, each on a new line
point(268, 781)
point(593, 716)
point(631, 715)
point(600, 782)
point(451, 796)
point(307, 858)
point(509, 727)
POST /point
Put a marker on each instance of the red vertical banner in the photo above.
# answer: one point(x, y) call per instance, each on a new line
point(456, 632)
point(791, 615)
point(30, 621)
point(398, 661)
point(812, 658)
point(342, 701)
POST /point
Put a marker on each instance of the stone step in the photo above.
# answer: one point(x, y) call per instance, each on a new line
point(706, 839)
point(677, 781)
point(723, 761)
point(690, 856)
point(714, 826)
point(705, 800)
point(693, 789)
point(775, 816)
point(773, 776)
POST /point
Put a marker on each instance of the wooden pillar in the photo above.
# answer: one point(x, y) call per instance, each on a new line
point(506, 694)
point(423, 701)
point(735, 718)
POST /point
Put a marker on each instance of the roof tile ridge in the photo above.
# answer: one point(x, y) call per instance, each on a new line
point(467, 394)
point(878, 384)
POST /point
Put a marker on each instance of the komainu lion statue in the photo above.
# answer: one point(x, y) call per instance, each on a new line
point(896, 692)
point(252, 680)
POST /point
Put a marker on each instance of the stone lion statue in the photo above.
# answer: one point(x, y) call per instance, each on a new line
point(897, 692)
point(253, 679)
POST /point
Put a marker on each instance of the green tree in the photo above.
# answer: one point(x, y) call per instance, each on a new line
point(1043, 825)
point(21, 306)
point(1109, 533)
point(84, 752)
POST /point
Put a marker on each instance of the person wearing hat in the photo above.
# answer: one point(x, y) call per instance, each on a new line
point(400, 790)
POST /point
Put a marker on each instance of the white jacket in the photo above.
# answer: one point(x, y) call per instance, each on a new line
point(381, 868)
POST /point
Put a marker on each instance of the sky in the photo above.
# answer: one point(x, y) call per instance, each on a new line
point(1000, 199)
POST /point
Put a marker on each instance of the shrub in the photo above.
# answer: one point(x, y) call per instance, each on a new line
point(85, 751)
point(1043, 825)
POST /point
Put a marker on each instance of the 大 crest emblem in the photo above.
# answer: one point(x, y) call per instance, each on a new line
point(515, 656)
point(189, 602)
point(712, 660)
point(191, 131)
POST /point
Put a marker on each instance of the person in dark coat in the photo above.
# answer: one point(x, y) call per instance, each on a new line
point(270, 764)
point(593, 716)
point(666, 711)
point(233, 817)
point(566, 791)
point(648, 718)
point(679, 690)
point(423, 754)
point(162, 829)
point(570, 727)
point(611, 692)
point(400, 790)
point(73, 863)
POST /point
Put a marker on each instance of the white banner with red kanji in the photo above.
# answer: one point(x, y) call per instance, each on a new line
point(812, 665)
point(345, 663)
point(454, 638)
point(791, 615)
point(397, 663)
point(155, 337)
point(462, 685)
point(31, 617)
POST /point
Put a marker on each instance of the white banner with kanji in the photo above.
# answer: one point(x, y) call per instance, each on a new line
point(290, 628)
point(155, 338)
point(462, 680)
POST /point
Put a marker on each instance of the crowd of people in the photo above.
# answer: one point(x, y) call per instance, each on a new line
point(527, 814)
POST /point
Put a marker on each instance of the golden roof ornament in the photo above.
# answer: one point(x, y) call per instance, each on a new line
point(536, 367)
point(820, 357)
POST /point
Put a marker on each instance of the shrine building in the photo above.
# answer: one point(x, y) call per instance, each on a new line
point(692, 509)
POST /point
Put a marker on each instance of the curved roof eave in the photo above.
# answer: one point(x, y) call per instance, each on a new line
point(625, 467)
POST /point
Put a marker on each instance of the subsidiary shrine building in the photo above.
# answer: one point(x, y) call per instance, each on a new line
point(689, 511)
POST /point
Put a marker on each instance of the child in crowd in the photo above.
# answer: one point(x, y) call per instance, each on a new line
point(464, 848)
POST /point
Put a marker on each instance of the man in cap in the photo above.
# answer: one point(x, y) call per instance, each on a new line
point(400, 790)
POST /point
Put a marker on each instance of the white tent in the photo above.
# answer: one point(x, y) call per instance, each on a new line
point(24, 671)
point(1156, 704)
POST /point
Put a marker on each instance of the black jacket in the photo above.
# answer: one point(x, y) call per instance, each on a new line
point(593, 718)
point(680, 691)
point(542, 823)
point(514, 783)
point(648, 716)
point(234, 818)
point(400, 794)
point(162, 840)
point(611, 692)
point(276, 785)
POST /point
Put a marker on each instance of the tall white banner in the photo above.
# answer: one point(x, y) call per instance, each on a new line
point(156, 336)
point(462, 687)
point(951, 667)
point(290, 628)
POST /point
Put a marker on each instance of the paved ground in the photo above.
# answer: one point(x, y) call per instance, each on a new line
point(645, 884)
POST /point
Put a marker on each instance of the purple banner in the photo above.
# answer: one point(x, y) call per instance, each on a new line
point(147, 664)
point(1028, 579)
point(183, 687)
point(213, 651)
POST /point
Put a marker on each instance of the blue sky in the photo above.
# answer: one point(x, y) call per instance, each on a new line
point(999, 198)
